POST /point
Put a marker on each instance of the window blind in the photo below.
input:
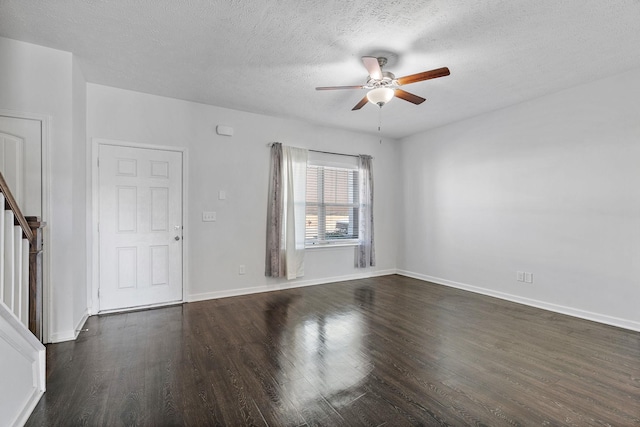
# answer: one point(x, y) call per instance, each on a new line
point(331, 204)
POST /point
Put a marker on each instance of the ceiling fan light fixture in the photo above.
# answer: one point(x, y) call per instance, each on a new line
point(380, 96)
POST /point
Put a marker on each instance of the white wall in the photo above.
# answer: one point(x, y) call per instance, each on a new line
point(39, 80)
point(549, 186)
point(239, 165)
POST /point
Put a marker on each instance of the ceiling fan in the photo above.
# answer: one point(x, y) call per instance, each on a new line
point(383, 85)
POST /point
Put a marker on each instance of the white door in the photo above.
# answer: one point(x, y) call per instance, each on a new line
point(20, 161)
point(140, 226)
point(11, 164)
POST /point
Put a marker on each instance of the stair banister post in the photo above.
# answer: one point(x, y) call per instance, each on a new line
point(35, 276)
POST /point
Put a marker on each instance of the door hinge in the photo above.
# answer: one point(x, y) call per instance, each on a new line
point(98, 161)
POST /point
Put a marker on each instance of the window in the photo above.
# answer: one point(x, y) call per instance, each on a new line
point(332, 203)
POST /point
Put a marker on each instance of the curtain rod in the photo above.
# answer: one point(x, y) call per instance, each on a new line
point(337, 154)
point(324, 152)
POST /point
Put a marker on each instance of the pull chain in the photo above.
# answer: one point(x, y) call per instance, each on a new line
point(380, 124)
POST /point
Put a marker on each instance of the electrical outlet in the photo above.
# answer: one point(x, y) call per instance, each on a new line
point(242, 270)
point(208, 216)
point(528, 277)
point(520, 276)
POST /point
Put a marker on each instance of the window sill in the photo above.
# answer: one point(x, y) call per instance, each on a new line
point(331, 245)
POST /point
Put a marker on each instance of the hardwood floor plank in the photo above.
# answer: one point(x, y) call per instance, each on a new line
point(389, 350)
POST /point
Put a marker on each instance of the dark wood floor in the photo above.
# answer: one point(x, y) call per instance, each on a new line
point(388, 351)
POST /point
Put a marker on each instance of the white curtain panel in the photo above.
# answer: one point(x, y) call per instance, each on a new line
point(294, 162)
point(365, 251)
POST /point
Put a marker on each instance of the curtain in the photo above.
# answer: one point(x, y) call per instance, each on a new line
point(274, 265)
point(365, 251)
point(295, 192)
point(286, 212)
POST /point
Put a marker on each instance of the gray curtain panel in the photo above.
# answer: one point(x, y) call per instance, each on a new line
point(274, 265)
point(365, 251)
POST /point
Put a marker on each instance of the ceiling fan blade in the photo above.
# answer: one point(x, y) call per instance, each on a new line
point(426, 75)
point(415, 99)
point(338, 87)
point(372, 66)
point(360, 104)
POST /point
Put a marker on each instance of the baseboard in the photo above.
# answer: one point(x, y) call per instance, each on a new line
point(285, 285)
point(81, 323)
point(62, 336)
point(570, 311)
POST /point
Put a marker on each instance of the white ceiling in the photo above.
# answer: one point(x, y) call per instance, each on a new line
point(268, 56)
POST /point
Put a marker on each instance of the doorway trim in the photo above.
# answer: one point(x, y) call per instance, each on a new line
point(45, 183)
point(94, 284)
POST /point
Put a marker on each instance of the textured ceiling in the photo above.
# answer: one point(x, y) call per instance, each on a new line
point(268, 56)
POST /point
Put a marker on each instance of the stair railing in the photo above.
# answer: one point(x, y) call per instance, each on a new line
point(20, 262)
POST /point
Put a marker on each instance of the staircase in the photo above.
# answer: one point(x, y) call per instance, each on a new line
point(22, 355)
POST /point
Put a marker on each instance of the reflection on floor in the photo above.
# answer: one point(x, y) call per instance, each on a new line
point(382, 351)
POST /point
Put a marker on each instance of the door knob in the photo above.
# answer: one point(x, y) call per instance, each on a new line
point(177, 237)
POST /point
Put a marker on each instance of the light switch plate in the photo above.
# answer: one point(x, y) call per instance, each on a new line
point(208, 216)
